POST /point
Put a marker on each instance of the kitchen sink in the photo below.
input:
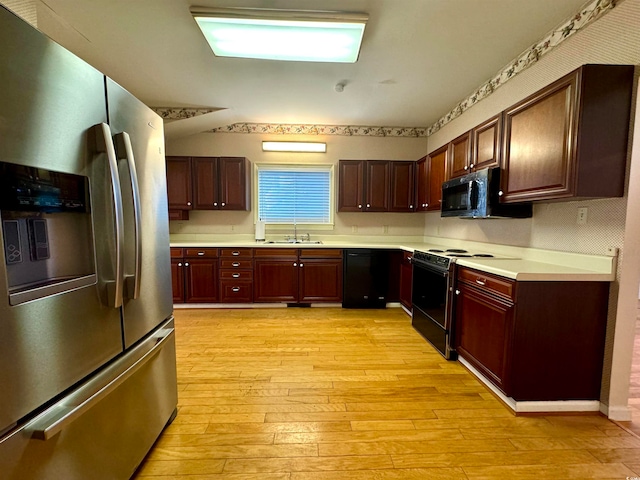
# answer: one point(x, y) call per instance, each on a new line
point(308, 242)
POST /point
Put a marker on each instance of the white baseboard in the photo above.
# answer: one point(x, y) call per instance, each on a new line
point(619, 414)
point(565, 406)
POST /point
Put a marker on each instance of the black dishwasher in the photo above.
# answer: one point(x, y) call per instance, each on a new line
point(365, 278)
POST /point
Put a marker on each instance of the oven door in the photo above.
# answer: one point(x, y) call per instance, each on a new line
point(431, 306)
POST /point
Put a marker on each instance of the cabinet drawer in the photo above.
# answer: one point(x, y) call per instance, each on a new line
point(321, 253)
point(276, 252)
point(234, 263)
point(488, 283)
point(235, 291)
point(176, 252)
point(201, 252)
point(236, 252)
point(231, 274)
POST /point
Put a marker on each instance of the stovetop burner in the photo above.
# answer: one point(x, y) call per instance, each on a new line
point(483, 255)
point(456, 250)
point(435, 250)
point(459, 255)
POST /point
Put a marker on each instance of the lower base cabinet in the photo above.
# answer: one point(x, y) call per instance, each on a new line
point(536, 341)
point(236, 275)
point(194, 275)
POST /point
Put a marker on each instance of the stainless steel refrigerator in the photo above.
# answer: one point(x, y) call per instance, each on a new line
point(87, 345)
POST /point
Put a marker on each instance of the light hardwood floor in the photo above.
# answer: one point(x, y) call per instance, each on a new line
point(634, 389)
point(339, 394)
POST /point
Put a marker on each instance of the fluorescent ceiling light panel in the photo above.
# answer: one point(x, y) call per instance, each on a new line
point(310, 147)
point(294, 35)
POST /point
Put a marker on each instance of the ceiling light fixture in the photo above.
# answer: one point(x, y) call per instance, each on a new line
point(294, 35)
point(307, 147)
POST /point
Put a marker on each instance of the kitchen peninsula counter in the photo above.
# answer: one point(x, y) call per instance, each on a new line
point(518, 263)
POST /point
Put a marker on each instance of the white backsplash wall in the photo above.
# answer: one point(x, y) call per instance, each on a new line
point(338, 147)
point(613, 39)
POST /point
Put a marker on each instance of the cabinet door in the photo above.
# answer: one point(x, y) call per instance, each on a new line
point(201, 280)
point(205, 183)
point(482, 332)
point(235, 184)
point(402, 186)
point(177, 280)
point(485, 144)
point(459, 163)
point(350, 185)
point(422, 184)
point(179, 190)
point(437, 173)
point(320, 280)
point(377, 181)
point(538, 157)
point(275, 280)
point(406, 279)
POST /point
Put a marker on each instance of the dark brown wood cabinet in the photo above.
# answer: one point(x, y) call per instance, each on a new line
point(179, 184)
point(194, 275)
point(236, 275)
point(422, 184)
point(569, 140)
point(289, 275)
point(221, 183)
point(437, 162)
point(460, 155)
point(402, 190)
point(406, 279)
point(376, 186)
point(536, 341)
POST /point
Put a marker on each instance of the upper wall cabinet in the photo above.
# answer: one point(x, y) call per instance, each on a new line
point(376, 186)
point(569, 139)
point(207, 183)
point(476, 149)
point(422, 184)
point(437, 171)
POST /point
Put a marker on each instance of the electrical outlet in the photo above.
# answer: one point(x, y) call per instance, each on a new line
point(385, 228)
point(354, 229)
point(582, 215)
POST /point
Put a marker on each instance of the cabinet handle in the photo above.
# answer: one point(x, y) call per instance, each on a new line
point(410, 206)
point(236, 275)
point(457, 292)
point(466, 168)
point(186, 264)
point(359, 206)
point(426, 204)
point(301, 265)
point(179, 264)
point(368, 205)
point(200, 254)
point(189, 204)
point(409, 259)
point(235, 254)
point(500, 193)
point(471, 166)
point(481, 281)
point(215, 204)
point(235, 264)
point(223, 204)
point(295, 264)
point(235, 289)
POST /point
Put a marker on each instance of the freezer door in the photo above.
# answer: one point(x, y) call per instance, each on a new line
point(139, 138)
point(49, 101)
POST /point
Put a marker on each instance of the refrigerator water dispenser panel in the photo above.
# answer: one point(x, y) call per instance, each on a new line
point(47, 232)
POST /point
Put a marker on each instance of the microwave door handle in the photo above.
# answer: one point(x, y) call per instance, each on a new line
point(125, 152)
point(104, 144)
point(473, 194)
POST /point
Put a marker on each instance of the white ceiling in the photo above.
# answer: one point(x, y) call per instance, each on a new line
point(418, 58)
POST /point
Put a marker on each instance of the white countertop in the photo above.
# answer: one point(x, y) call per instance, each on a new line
point(518, 263)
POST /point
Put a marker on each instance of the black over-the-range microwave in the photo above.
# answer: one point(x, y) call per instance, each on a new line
point(477, 195)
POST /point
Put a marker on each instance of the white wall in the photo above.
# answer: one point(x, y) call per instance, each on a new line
point(615, 38)
point(338, 147)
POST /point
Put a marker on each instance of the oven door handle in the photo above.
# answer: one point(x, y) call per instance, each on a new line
point(428, 268)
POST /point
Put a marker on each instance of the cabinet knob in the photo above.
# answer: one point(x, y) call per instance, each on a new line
point(301, 265)
point(368, 205)
point(235, 289)
point(466, 168)
point(236, 275)
point(189, 204)
point(295, 264)
point(457, 292)
point(426, 204)
point(215, 204)
point(359, 206)
point(500, 193)
point(471, 166)
point(186, 264)
point(410, 206)
point(223, 204)
point(180, 264)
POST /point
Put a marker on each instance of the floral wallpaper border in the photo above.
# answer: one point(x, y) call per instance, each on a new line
point(584, 17)
point(344, 130)
point(180, 113)
point(580, 20)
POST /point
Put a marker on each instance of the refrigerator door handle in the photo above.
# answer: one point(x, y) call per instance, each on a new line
point(124, 150)
point(61, 415)
point(114, 288)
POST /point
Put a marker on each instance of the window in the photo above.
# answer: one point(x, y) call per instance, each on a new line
point(295, 194)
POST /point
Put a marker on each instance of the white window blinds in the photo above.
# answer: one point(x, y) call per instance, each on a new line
point(289, 194)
